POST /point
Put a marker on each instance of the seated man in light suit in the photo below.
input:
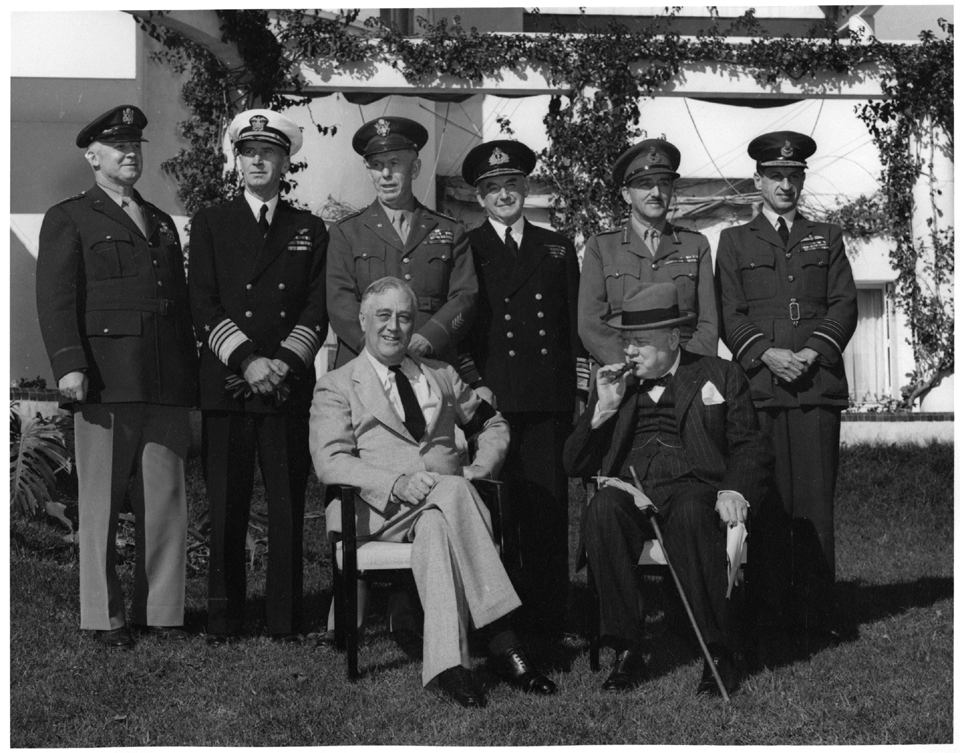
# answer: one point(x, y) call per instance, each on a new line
point(384, 423)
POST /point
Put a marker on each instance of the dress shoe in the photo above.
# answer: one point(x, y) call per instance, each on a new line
point(726, 668)
point(117, 638)
point(164, 632)
point(286, 638)
point(323, 639)
point(458, 685)
point(628, 672)
point(220, 639)
point(516, 669)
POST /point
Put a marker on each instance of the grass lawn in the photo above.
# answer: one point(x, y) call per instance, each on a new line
point(892, 684)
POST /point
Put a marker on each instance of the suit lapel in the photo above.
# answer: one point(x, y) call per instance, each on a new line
point(434, 390)
point(492, 250)
point(529, 257)
point(370, 391)
point(103, 203)
point(765, 231)
point(669, 242)
point(282, 230)
point(420, 226)
point(686, 383)
point(802, 227)
point(376, 220)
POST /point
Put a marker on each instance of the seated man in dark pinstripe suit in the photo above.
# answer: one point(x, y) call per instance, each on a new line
point(685, 423)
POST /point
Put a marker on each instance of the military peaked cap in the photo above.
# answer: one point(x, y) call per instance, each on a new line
point(266, 125)
point(649, 157)
point(123, 123)
point(782, 149)
point(389, 134)
point(494, 158)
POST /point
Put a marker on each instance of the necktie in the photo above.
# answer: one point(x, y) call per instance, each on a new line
point(782, 230)
point(511, 243)
point(264, 225)
point(653, 240)
point(648, 384)
point(414, 420)
point(400, 223)
point(133, 212)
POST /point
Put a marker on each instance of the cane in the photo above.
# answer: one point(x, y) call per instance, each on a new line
point(683, 597)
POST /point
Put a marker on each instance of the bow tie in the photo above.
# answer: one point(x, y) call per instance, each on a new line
point(648, 384)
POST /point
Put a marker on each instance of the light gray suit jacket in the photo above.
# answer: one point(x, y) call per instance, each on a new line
point(358, 439)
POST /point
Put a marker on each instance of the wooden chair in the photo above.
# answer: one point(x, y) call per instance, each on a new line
point(352, 560)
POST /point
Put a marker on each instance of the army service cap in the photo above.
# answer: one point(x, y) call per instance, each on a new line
point(123, 123)
point(649, 157)
point(782, 149)
point(495, 158)
point(268, 126)
point(389, 134)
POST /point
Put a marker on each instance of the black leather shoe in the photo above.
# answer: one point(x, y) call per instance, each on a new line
point(458, 685)
point(164, 632)
point(220, 639)
point(628, 672)
point(323, 639)
point(286, 638)
point(117, 638)
point(516, 669)
point(727, 669)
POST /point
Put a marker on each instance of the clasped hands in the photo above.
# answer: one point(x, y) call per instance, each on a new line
point(263, 374)
point(787, 365)
point(413, 488)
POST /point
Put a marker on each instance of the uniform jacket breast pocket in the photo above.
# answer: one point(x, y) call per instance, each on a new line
point(620, 281)
point(684, 275)
point(437, 267)
point(112, 256)
point(370, 263)
point(814, 264)
point(114, 323)
point(759, 274)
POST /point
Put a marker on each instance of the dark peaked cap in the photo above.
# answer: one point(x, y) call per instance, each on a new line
point(502, 157)
point(782, 149)
point(389, 134)
point(123, 123)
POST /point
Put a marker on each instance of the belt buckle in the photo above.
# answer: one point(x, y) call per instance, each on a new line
point(794, 312)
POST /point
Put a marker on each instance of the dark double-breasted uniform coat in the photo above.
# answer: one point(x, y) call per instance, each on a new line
point(795, 295)
point(112, 302)
point(525, 348)
point(617, 261)
point(256, 295)
point(435, 261)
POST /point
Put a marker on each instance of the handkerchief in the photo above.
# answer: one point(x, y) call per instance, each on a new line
point(710, 395)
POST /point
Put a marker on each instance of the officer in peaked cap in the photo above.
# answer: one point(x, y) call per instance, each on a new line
point(267, 126)
point(789, 307)
point(397, 236)
point(123, 123)
point(258, 295)
point(523, 354)
point(114, 315)
point(646, 249)
point(389, 134)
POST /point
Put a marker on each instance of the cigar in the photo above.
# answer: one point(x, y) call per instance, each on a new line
point(623, 369)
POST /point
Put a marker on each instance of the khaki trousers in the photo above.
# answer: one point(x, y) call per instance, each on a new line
point(457, 571)
point(147, 443)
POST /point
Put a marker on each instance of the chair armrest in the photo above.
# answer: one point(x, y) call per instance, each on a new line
point(495, 497)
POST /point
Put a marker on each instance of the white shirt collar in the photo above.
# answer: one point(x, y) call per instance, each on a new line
point(383, 371)
point(516, 229)
point(256, 202)
point(772, 216)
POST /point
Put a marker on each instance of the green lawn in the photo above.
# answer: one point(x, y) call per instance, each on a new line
point(893, 684)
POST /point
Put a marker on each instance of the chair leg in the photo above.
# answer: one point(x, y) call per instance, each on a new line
point(347, 618)
point(593, 625)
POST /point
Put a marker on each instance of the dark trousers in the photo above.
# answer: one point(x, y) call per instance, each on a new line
point(231, 444)
point(534, 472)
point(614, 532)
point(796, 531)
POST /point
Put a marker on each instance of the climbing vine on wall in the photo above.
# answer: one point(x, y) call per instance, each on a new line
point(605, 73)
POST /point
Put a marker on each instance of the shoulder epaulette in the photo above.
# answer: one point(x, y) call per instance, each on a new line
point(682, 229)
point(73, 198)
point(610, 230)
point(350, 216)
point(440, 214)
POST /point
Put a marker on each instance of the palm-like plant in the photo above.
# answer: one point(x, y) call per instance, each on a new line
point(39, 449)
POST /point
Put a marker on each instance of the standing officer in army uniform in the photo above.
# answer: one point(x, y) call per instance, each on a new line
point(789, 308)
point(259, 307)
point(397, 236)
point(646, 249)
point(525, 353)
point(114, 315)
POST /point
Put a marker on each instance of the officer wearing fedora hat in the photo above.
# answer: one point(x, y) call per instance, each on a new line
point(114, 315)
point(686, 424)
point(525, 354)
point(647, 248)
point(789, 308)
point(259, 309)
point(397, 236)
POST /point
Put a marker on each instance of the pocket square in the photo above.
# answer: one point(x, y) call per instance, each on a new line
point(710, 395)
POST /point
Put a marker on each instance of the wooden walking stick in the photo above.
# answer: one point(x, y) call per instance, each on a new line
point(683, 597)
